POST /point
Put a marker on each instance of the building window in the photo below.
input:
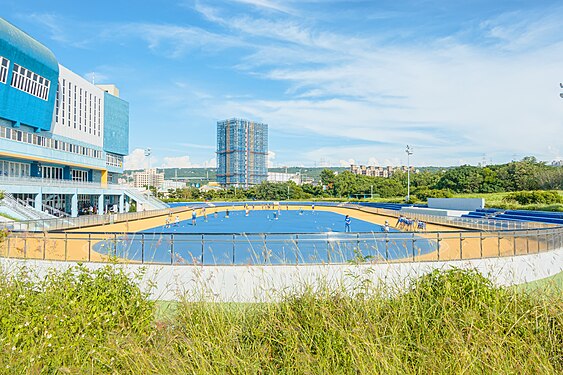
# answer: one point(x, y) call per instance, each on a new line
point(78, 175)
point(14, 169)
point(29, 82)
point(4, 65)
point(53, 173)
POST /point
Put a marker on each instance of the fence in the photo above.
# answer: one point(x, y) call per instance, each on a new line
point(281, 249)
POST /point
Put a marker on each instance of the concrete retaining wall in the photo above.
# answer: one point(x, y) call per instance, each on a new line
point(266, 283)
point(461, 204)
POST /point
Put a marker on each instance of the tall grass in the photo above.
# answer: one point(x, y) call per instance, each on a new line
point(455, 321)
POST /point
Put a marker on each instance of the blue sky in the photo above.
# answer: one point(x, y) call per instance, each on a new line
point(337, 81)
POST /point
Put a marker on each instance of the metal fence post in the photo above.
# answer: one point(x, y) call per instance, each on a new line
point(172, 249)
point(233, 241)
point(89, 246)
point(527, 242)
point(413, 247)
point(115, 245)
point(66, 245)
point(202, 248)
point(460, 245)
point(8, 246)
point(480, 244)
point(514, 242)
point(296, 246)
point(499, 238)
point(538, 239)
point(328, 249)
point(386, 247)
point(44, 244)
point(142, 248)
point(25, 248)
point(438, 239)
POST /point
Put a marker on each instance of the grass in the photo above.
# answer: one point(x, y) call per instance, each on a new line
point(495, 200)
point(8, 216)
point(99, 322)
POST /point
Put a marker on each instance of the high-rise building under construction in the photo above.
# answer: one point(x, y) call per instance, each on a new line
point(242, 152)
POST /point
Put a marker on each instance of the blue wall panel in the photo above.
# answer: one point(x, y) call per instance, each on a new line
point(16, 105)
point(116, 125)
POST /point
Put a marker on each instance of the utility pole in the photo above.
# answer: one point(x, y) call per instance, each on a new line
point(409, 153)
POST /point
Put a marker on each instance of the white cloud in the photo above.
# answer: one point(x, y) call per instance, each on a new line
point(347, 163)
point(271, 158)
point(185, 162)
point(137, 160)
point(96, 77)
point(177, 162)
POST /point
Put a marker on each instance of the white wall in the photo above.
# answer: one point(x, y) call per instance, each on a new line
point(462, 204)
point(89, 124)
point(265, 283)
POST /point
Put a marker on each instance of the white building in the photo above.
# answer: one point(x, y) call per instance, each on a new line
point(148, 177)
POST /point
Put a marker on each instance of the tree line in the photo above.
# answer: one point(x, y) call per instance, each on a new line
point(526, 174)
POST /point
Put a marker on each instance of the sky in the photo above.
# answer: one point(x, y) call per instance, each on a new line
point(337, 82)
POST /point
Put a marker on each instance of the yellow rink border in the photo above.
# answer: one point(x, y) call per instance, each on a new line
point(72, 245)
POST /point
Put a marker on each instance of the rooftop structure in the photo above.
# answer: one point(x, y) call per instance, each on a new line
point(374, 171)
point(242, 152)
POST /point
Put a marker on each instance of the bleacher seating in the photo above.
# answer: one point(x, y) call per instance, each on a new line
point(517, 215)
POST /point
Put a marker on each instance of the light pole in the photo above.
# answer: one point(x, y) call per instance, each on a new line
point(148, 154)
point(409, 153)
point(561, 86)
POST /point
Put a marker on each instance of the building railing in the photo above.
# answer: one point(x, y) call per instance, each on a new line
point(279, 249)
point(58, 224)
point(39, 181)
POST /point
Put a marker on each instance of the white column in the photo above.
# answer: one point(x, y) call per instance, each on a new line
point(74, 205)
point(101, 206)
point(122, 203)
point(39, 201)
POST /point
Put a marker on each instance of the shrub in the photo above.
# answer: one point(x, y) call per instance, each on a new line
point(534, 197)
point(424, 193)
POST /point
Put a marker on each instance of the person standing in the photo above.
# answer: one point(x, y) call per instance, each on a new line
point(347, 224)
point(194, 215)
point(177, 221)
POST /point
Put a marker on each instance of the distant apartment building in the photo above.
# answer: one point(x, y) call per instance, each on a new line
point(374, 171)
point(242, 152)
point(170, 184)
point(284, 177)
point(148, 177)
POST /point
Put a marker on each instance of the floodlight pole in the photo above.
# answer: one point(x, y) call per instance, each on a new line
point(148, 154)
point(409, 153)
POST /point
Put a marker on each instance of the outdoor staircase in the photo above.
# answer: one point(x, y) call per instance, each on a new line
point(21, 210)
point(145, 200)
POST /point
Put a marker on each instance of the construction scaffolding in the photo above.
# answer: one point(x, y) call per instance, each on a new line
point(242, 152)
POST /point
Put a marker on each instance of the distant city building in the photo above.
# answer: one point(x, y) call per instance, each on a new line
point(242, 152)
point(297, 177)
point(557, 163)
point(170, 184)
point(284, 177)
point(148, 177)
point(374, 171)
